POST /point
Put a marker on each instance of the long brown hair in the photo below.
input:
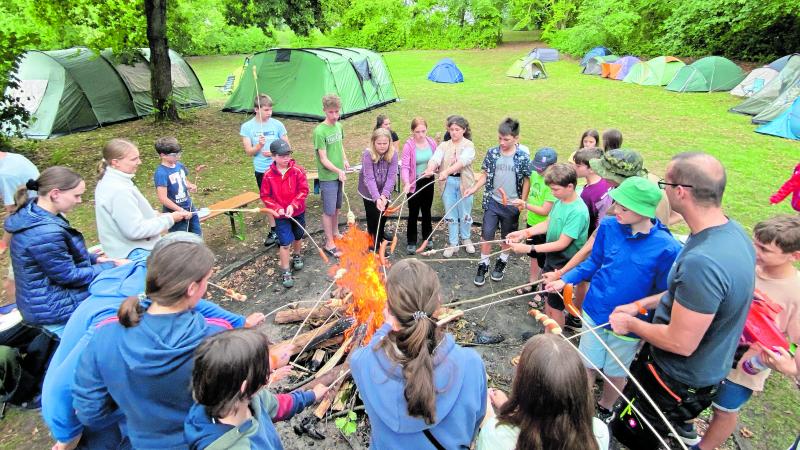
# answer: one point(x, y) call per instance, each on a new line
point(412, 290)
point(171, 269)
point(225, 360)
point(550, 401)
point(114, 149)
point(56, 177)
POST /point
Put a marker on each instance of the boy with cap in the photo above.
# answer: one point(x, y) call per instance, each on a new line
point(173, 186)
point(631, 259)
point(284, 190)
point(540, 202)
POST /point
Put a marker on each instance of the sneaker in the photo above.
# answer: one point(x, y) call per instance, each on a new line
point(468, 245)
point(297, 262)
point(449, 252)
point(411, 249)
point(287, 280)
point(603, 414)
point(687, 433)
point(480, 277)
point(499, 270)
point(272, 239)
point(572, 322)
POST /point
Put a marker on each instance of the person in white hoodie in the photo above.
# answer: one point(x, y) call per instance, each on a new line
point(126, 222)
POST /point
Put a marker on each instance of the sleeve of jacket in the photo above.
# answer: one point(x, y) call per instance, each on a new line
point(302, 189)
point(266, 195)
point(57, 410)
point(52, 254)
point(791, 185)
point(93, 404)
point(211, 310)
point(285, 406)
point(405, 162)
point(369, 175)
point(391, 178)
point(130, 220)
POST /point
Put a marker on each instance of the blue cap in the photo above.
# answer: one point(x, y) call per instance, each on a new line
point(544, 158)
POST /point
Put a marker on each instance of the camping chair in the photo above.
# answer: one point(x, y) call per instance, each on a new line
point(757, 85)
point(227, 88)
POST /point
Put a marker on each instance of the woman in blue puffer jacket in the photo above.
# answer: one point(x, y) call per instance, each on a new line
point(52, 268)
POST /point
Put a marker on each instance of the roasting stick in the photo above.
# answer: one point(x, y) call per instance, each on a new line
point(432, 252)
point(460, 259)
point(242, 210)
point(333, 313)
point(339, 274)
point(230, 292)
point(288, 305)
point(313, 241)
point(461, 302)
point(439, 223)
point(572, 309)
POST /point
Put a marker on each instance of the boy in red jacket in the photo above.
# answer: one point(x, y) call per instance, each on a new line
point(792, 186)
point(284, 190)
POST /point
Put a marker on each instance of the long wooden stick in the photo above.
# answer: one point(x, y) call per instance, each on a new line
point(313, 241)
point(439, 223)
point(242, 210)
point(230, 292)
point(504, 300)
point(432, 252)
point(287, 306)
point(325, 292)
point(461, 302)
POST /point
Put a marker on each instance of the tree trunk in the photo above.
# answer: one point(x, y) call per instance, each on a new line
point(161, 78)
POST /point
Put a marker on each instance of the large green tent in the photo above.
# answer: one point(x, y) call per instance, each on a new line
point(75, 89)
point(709, 74)
point(789, 76)
point(779, 105)
point(527, 68)
point(655, 72)
point(298, 78)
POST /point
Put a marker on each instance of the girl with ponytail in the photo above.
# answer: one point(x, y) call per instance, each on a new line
point(140, 363)
point(52, 267)
point(420, 389)
point(550, 407)
point(127, 225)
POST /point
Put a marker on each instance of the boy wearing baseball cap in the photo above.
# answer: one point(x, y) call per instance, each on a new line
point(284, 189)
point(631, 259)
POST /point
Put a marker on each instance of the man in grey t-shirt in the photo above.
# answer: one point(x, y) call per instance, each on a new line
point(697, 322)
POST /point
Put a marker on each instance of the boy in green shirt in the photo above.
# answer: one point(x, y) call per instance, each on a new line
point(331, 166)
point(565, 229)
point(540, 202)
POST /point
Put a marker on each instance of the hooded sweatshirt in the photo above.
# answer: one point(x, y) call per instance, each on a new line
point(460, 380)
point(52, 268)
point(256, 433)
point(144, 371)
point(125, 219)
point(281, 190)
point(106, 293)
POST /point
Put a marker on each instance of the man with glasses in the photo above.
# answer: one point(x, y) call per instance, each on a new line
point(697, 322)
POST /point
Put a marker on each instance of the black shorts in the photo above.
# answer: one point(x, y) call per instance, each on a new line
point(553, 299)
point(537, 240)
point(506, 217)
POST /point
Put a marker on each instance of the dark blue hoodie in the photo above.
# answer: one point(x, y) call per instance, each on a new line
point(106, 293)
point(145, 371)
point(52, 268)
point(460, 380)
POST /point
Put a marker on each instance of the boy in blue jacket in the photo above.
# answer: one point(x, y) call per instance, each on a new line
point(631, 258)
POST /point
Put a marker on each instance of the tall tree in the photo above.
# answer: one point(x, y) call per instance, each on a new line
point(160, 66)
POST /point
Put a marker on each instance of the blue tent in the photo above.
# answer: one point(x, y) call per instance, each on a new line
point(597, 51)
point(787, 125)
point(446, 71)
point(780, 63)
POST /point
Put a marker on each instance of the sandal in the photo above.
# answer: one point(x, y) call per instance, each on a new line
point(524, 290)
point(537, 302)
point(332, 252)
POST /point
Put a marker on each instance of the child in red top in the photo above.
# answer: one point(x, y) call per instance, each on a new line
point(284, 190)
point(792, 186)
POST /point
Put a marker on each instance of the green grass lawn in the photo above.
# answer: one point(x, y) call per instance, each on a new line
point(553, 112)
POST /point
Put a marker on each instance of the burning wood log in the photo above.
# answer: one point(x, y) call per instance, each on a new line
point(298, 314)
point(313, 338)
point(316, 360)
point(357, 338)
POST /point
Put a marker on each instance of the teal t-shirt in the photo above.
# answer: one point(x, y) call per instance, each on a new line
point(423, 156)
point(329, 137)
point(571, 219)
point(271, 129)
point(537, 196)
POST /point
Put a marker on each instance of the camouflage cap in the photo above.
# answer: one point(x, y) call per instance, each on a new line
point(618, 164)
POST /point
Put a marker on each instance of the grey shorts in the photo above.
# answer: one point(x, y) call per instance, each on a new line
point(331, 192)
point(506, 217)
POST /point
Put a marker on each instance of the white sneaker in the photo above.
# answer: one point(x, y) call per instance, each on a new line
point(468, 245)
point(449, 252)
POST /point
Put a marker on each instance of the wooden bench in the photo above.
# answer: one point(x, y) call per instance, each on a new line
point(238, 201)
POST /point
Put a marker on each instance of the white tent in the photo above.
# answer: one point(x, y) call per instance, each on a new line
point(754, 82)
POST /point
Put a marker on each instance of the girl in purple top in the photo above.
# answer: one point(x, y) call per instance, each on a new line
point(377, 179)
point(417, 151)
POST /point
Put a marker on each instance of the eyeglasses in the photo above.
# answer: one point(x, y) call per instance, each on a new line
point(663, 184)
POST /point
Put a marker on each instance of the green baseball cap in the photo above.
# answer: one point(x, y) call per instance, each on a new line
point(638, 194)
point(618, 164)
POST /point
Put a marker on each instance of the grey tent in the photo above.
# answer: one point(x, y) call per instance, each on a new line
point(75, 89)
point(779, 105)
point(594, 65)
point(544, 54)
point(787, 78)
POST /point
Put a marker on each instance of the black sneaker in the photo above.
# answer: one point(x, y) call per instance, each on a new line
point(499, 270)
point(573, 323)
point(687, 433)
point(272, 239)
point(480, 277)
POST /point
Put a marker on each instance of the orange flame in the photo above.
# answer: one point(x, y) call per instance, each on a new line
point(363, 278)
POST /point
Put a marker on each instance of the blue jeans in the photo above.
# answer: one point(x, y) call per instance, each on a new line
point(191, 225)
point(459, 220)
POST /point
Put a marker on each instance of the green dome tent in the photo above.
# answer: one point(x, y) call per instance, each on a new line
point(709, 74)
point(656, 72)
point(527, 68)
point(788, 77)
point(298, 78)
point(75, 90)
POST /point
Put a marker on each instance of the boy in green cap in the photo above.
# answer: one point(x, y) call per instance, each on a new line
point(631, 259)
